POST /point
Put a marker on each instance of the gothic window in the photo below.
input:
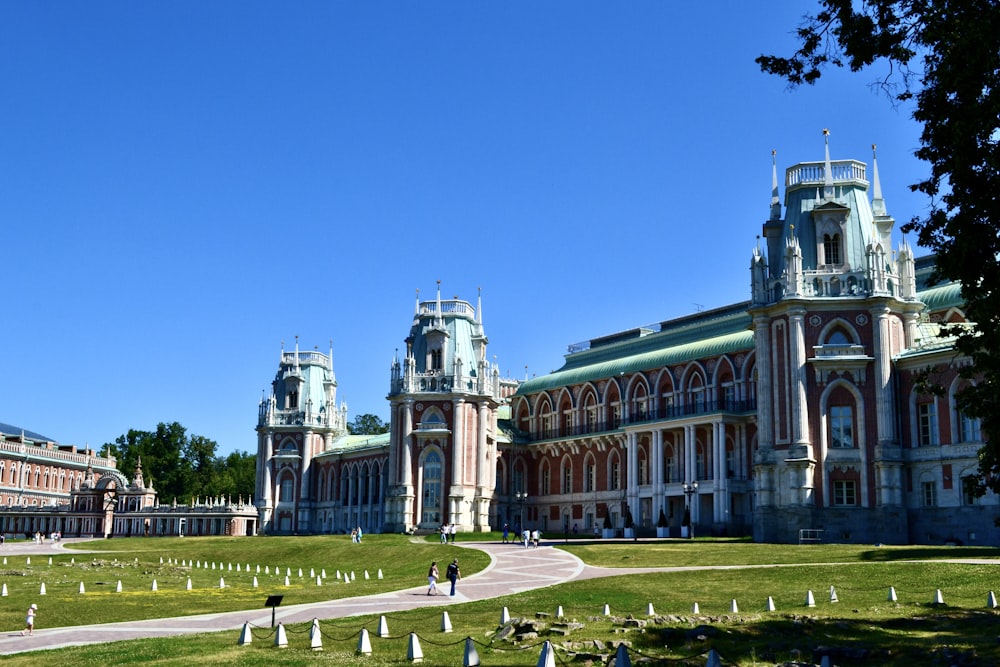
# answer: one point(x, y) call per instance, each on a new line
point(546, 479)
point(927, 432)
point(969, 495)
point(845, 493)
point(431, 506)
point(567, 477)
point(286, 491)
point(436, 360)
point(614, 476)
point(670, 463)
point(841, 421)
point(928, 497)
point(730, 461)
point(838, 337)
point(568, 423)
point(589, 475)
point(831, 249)
point(293, 400)
point(699, 461)
point(969, 429)
point(643, 470)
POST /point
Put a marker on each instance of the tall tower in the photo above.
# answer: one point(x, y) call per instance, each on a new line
point(297, 421)
point(444, 396)
point(830, 310)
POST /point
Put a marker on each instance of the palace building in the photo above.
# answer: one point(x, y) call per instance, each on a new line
point(802, 413)
point(50, 488)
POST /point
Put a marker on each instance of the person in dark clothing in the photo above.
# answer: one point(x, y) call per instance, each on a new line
point(453, 574)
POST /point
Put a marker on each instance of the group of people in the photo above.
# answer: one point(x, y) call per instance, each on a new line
point(447, 530)
point(527, 537)
point(452, 573)
point(356, 535)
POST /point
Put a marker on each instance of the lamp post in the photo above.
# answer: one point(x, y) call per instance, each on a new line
point(690, 488)
point(520, 496)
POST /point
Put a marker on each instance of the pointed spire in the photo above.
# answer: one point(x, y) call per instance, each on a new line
point(331, 356)
point(439, 320)
point(827, 168)
point(775, 200)
point(878, 204)
point(416, 306)
point(479, 307)
point(296, 352)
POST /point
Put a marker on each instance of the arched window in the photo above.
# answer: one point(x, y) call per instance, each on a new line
point(545, 479)
point(841, 423)
point(614, 472)
point(567, 476)
point(590, 474)
point(431, 493)
point(831, 249)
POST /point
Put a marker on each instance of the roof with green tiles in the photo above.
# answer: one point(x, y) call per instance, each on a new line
point(942, 297)
point(698, 336)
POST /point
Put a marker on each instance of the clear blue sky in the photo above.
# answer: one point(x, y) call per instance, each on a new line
point(183, 185)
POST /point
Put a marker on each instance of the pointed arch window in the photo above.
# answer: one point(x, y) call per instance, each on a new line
point(431, 506)
point(567, 476)
point(831, 249)
point(841, 422)
point(590, 475)
point(545, 479)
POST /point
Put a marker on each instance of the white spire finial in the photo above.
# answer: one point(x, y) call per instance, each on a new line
point(878, 204)
point(440, 318)
point(775, 200)
point(827, 169)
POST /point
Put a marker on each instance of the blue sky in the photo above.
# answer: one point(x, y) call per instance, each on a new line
point(184, 185)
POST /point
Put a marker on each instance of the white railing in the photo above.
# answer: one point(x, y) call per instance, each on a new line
point(843, 171)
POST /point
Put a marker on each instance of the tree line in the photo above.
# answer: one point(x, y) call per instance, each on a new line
point(184, 466)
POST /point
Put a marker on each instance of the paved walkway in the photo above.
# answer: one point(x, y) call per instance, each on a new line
point(512, 569)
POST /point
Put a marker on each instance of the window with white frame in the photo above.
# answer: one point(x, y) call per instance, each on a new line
point(613, 471)
point(831, 249)
point(567, 477)
point(845, 493)
point(969, 429)
point(729, 395)
point(927, 426)
point(699, 462)
point(643, 471)
point(928, 494)
point(287, 492)
point(671, 465)
point(546, 480)
point(589, 476)
point(841, 422)
point(970, 495)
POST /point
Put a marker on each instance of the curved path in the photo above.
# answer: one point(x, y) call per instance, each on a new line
point(512, 569)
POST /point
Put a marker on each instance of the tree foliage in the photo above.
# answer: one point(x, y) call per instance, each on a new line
point(942, 59)
point(183, 466)
point(367, 424)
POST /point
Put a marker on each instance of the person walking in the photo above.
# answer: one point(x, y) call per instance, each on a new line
point(432, 577)
point(453, 574)
point(534, 537)
point(506, 533)
point(30, 621)
point(444, 533)
point(453, 530)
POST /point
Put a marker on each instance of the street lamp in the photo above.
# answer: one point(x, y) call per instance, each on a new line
point(520, 496)
point(690, 488)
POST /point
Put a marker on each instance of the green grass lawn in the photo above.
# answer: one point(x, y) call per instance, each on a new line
point(136, 563)
point(862, 626)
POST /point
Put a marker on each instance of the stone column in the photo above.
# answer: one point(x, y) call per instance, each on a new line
point(657, 474)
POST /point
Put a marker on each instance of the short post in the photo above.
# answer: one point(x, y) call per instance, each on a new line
point(273, 601)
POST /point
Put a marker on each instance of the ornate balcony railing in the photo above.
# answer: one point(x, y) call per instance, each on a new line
point(660, 414)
